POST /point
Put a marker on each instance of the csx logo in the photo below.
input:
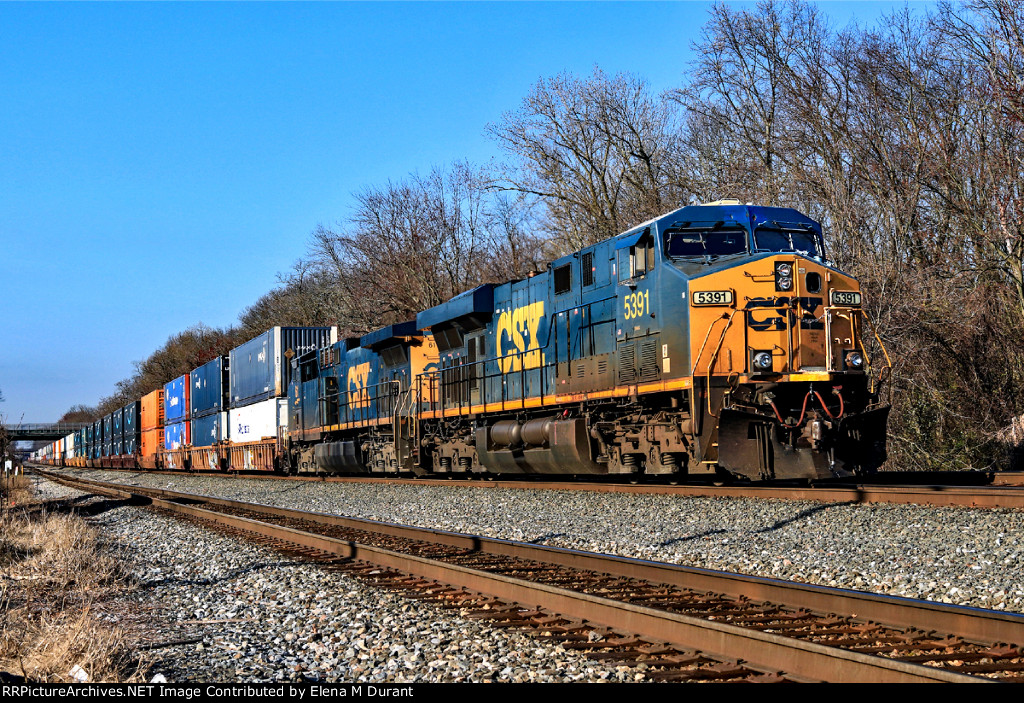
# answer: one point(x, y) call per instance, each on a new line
point(357, 379)
point(766, 314)
point(518, 338)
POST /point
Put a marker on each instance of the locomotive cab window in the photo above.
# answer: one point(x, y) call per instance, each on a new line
point(643, 257)
point(699, 239)
point(798, 238)
point(637, 259)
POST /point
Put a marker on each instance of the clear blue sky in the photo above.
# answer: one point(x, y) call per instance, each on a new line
point(160, 163)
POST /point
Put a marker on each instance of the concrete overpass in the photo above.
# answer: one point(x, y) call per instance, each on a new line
point(41, 432)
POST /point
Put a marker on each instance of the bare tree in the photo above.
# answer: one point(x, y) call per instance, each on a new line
point(79, 413)
point(182, 353)
point(596, 151)
point(741, 90)
point(416, 243)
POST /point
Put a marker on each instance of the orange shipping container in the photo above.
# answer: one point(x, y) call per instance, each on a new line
point(152, 411)
point(152, 442)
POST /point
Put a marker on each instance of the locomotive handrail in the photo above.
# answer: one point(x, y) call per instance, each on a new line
point(714, 356)
point(885, 353)
point(860, 312)
point(551, 327)
point(440, 400)
point(542, 369)
point(372, 396)
point(696, 361)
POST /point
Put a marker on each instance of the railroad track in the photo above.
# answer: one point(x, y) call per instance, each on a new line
point(681, 623)
point(1006, 492)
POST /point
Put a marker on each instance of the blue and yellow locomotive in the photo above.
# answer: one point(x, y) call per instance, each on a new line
point(714, 340)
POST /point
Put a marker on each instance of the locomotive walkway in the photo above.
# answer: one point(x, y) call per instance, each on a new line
point(683, 623)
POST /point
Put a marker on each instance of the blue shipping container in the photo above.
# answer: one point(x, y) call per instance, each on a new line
point(261, 368)
point(209, 387)
point(131, 432)
point(176, 435)
point(176, 400)
point(108, 436)
point(209, 429)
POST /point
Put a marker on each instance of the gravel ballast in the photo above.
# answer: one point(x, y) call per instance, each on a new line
point(964, 556)
point(230, 611)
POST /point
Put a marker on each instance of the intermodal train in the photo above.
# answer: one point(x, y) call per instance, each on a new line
point(715, 340)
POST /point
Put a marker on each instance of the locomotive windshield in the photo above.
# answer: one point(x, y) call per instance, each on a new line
point(784, 237)
point(711, 241)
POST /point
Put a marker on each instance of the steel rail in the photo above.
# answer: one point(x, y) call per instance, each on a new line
point(988, 496)
point(974, 624)
point(803, 659)
point(1008, 478)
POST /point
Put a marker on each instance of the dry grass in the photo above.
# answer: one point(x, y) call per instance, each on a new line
point(56, 581)
point(15, 490)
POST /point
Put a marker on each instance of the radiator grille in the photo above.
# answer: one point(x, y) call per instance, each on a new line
point(649, 370)
point(627, 363)
point(587, 268)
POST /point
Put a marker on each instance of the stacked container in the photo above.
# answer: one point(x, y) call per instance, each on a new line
point(108, 440)
point(88, 433)
point(177, 432)
point(118, 433)
point(97, 442)
point(207, 405)
point(151, 423)
point(259, 375)
point(130, 434)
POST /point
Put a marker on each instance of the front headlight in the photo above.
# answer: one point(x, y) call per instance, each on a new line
point(783, 276)
point(762, 361)
point(855, 360)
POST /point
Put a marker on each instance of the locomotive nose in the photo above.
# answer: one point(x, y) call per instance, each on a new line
point(784, 314)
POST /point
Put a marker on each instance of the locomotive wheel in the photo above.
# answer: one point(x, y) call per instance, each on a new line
point(722, 478)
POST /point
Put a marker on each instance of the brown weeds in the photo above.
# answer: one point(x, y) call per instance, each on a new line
point(58, 586)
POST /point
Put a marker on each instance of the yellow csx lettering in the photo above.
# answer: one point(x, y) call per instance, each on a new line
point(636, 304)
point(357, 378)
point(518, 338)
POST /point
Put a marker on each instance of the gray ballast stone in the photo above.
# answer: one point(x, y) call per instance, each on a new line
point(966, 556)
point(245, 613)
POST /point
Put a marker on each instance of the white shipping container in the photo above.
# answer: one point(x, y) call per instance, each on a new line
point(251, 423)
